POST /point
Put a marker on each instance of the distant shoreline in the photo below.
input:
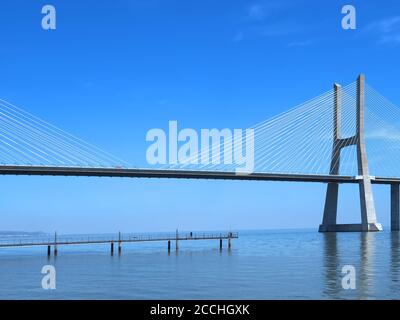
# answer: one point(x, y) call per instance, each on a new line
point(21, 233)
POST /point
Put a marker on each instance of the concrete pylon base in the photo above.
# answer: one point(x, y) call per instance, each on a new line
point(354, 227)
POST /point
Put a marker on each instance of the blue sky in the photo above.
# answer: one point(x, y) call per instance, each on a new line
point(112, 70)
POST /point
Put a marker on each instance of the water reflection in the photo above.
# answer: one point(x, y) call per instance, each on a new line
point(339, 250)
point(394, 261)
point(331, 265)
point(366, 269)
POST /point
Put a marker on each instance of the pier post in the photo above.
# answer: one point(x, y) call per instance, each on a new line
point(220, 244)
point(395, 207)
point(119, 243)
point(229, 244)
point(169, 246)
point(112, 248)
point(48, 251)
point(176, 241)
point(55, 244)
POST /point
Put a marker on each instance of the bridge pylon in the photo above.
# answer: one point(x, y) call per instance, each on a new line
point(367, 205)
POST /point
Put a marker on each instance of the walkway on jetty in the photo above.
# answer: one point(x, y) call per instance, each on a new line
point(118, 239)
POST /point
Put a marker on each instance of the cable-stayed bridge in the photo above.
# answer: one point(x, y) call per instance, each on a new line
point(350, 134)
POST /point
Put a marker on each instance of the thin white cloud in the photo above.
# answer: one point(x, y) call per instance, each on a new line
point(265, 8)
point(277, 29)
point(387, 30)
point(256, 11)
point(383, 133)
point(261, 21)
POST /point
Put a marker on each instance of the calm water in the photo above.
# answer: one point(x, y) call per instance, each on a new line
point(298, 264)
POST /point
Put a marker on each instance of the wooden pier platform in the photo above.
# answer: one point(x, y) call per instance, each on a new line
point(119, 239)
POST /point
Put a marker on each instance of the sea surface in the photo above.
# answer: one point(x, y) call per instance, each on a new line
point(279, 264)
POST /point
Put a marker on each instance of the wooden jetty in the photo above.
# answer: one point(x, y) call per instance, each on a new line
point(118, 239)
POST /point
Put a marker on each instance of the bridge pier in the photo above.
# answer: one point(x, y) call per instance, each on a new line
point(367, 205)
point(112, 248)
point(48, 251)
point(394, 207)
point(330, 211)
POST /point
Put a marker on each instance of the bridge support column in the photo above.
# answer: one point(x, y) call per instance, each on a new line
point(395, 207)
point(220, 244)
point(48, 251)
point(368, 215)
point(112, 248)
point(330, 210)
point(169, 246)
point(332, 191)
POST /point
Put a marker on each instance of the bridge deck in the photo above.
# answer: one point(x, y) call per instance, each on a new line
point(183, 174)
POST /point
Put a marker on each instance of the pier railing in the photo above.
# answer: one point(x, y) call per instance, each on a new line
point(55, 240)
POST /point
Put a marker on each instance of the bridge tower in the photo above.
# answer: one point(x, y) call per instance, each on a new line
point(368, 215)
